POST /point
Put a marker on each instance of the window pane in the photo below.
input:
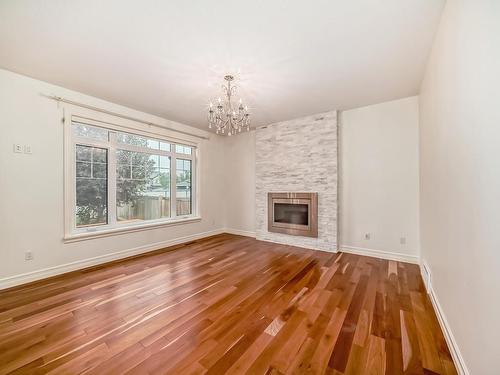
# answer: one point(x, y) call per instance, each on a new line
point(87, 131)
point(130, 139)
point(164, 146)
point(83, 169)
point(164, 162)
point(123, 157)
point(138, 172)
point(155, 145)
point(155, 160)
point(142, 186)
point(124, 171)
point(91, 186)
point(100, 170)
point(183, 187)
point(83, 153)
point(180, 149)
point(139, 141)
point(100, 155)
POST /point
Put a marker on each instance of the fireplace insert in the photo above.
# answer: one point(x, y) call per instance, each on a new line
point(293, 213)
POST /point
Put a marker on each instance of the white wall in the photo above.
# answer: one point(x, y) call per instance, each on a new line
point(379, 149)
point(31, 186)
point(239, 193)
point(460, 177)
point(379, 178)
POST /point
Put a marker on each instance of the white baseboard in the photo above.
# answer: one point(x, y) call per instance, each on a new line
point(24, 278)
point(380, 254)
point(239, 232)
point(458, 359)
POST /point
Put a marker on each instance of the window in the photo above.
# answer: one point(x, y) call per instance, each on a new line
point(91, 185)
point(183, 186)
point(122, 180)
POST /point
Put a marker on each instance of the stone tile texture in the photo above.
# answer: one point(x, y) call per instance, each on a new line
point(299, 155)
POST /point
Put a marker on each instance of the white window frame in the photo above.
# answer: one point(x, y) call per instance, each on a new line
point(115, 124)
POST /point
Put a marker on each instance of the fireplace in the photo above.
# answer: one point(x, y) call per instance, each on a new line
point(293, 213)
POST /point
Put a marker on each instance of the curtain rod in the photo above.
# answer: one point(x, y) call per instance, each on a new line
point(61, 99)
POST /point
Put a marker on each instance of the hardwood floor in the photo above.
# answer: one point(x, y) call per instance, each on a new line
point(226, 305)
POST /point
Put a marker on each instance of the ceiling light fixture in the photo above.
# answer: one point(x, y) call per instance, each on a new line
point(224, 116)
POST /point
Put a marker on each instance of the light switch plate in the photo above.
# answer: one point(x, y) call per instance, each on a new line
point(27, 149)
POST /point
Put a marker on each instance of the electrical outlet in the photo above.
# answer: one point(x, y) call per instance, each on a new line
point(367, 236)
point(402, 240)
point(27, 149)
point(28, 255)
point(18, 148)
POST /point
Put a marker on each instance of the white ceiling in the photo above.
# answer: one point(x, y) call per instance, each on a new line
point(291, 58)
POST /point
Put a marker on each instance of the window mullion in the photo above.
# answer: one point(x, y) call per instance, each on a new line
point(194, 189)
point(112, 179)
point(173, 187)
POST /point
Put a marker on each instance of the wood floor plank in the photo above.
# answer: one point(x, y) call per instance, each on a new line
point(428, 349)
point(225, 305)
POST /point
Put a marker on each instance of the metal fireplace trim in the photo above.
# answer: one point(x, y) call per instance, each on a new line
point(311, 199)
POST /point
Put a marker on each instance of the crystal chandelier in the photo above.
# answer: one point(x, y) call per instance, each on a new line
point(225, 116)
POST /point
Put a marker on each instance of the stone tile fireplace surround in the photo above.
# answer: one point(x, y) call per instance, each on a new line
point(299, 156)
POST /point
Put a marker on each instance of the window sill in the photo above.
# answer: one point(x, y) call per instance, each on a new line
point(127, 229)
